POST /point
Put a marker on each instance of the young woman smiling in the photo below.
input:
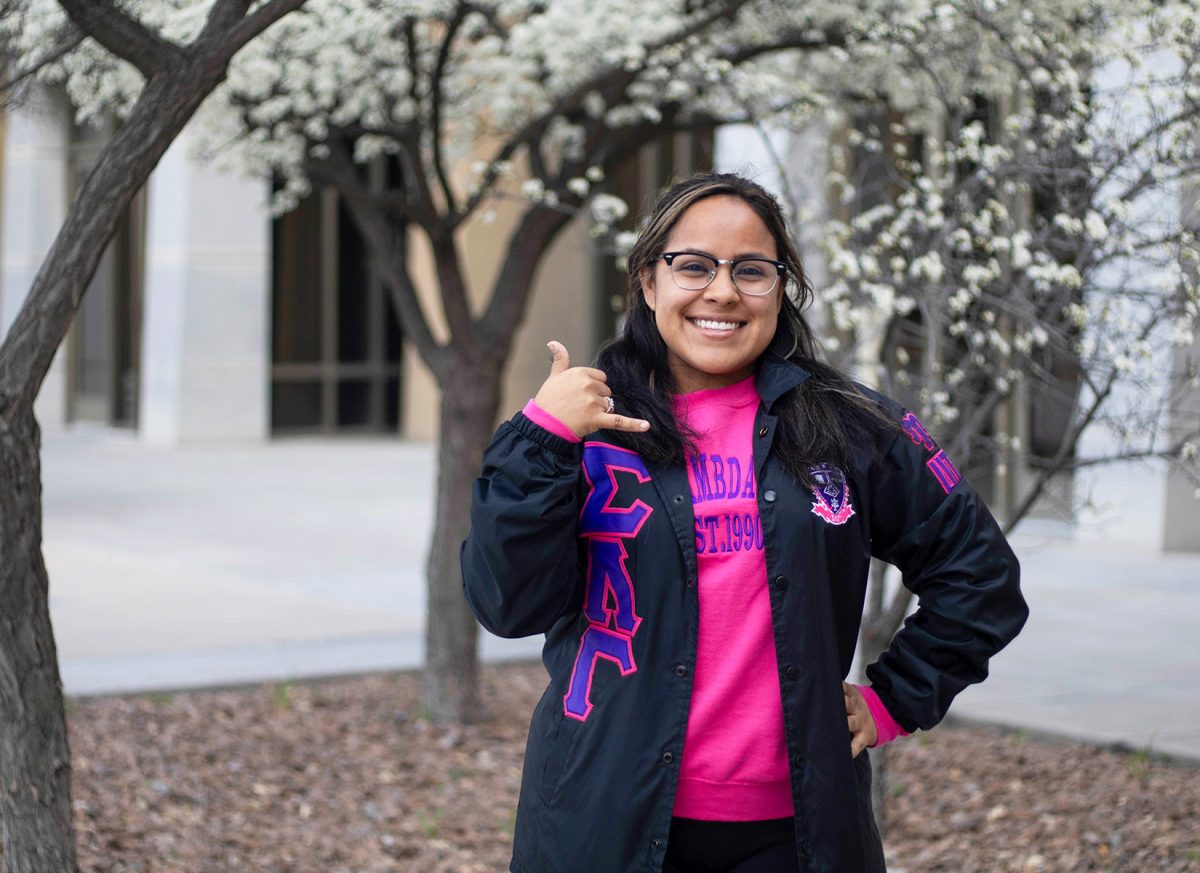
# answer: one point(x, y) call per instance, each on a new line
point(691, 523)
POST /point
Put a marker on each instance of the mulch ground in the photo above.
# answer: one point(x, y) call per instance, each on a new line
point(347, 777)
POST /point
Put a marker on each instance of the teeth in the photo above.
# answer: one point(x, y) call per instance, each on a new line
point(715, 325)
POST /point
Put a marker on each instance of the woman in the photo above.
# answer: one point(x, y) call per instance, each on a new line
point(691, 524)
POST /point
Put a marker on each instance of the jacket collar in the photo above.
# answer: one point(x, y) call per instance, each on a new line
point(776, 376)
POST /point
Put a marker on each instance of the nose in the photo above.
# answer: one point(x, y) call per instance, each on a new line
point(721, 289)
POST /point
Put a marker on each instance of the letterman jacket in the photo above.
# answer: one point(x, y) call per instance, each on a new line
point(587, 544)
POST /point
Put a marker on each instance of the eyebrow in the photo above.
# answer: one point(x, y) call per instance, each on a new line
point(742, 257)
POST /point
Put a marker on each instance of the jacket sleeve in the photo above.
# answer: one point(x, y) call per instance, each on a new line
point(520, 561)
point(930, 523)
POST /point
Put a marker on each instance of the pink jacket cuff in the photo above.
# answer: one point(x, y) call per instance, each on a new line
point(546, 421)
point(884, 723)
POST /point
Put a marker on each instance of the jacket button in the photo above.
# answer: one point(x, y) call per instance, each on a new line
point(781, 581)
point(762, 431)
point(806, 848)
point(678, 498)
point(691, 582)
point(791, 672)
point(667, 758)
point(654, 844)
point(798, 760)
point(680, 670)
point(769, 496)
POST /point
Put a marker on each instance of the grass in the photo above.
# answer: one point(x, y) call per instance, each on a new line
point(281, 696)
point(431, 824)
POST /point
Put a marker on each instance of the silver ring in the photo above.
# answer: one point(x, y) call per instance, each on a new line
point(609, 405)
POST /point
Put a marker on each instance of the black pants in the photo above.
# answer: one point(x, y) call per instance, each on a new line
point(696, 846)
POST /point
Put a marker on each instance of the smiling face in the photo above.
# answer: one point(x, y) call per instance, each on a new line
point(715, 335)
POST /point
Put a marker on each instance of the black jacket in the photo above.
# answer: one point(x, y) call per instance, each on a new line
point(606, 739)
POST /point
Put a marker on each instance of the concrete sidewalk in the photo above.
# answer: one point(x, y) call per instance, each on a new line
point(178, 568)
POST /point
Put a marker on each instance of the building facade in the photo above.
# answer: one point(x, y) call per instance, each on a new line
point(210, 320)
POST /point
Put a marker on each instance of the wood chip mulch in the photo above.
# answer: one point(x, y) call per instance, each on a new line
point(346, 776)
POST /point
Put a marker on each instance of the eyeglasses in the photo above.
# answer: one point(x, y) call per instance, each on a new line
point(693, 271)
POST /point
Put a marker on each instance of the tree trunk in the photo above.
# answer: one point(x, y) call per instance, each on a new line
point(470, 398)
point(35, 762)
point(35, 768)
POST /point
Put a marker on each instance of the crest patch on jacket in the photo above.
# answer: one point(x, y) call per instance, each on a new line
point(833, 494)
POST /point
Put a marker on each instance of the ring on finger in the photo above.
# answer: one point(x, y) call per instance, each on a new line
point(609, 404)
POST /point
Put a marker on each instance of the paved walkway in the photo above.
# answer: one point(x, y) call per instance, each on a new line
point(178, 568)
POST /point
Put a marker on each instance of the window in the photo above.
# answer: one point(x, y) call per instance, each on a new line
point(104, 344)
point(336, 341)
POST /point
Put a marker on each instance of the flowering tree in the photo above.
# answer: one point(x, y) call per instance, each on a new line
point(157, 62)
point(471, 98)
point(990, 241)
point(1013, 248)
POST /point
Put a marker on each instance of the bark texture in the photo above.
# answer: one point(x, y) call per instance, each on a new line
point(450, 681)
point(35, 805)
point(35, 762)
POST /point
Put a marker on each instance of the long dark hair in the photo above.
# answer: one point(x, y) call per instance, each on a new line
point(819, 420)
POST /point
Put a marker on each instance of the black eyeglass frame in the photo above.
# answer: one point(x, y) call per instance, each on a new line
point(780, 270)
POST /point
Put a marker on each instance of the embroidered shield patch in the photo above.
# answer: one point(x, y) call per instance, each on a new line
point(832, 493)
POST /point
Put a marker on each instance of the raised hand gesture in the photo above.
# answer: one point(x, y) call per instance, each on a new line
point(580, 398)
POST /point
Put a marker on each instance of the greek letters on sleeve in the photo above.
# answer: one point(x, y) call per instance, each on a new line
point(609, 604)
point(938, 463)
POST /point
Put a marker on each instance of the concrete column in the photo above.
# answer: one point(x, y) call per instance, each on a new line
point(34, 170)
point(1181, 529)
point(206, 346)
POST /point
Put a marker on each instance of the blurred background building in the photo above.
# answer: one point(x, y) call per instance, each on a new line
point(210, 320)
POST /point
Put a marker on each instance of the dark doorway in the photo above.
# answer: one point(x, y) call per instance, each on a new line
point(336, 342)
point(104, 345)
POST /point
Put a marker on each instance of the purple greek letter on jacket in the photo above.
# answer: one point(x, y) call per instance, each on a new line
point(601, 462)
point(944, 471)
point(609, 604)
point(916, 432)
point(596, 642)
point(609, 583)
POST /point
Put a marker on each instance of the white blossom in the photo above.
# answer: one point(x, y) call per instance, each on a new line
point(608, 209)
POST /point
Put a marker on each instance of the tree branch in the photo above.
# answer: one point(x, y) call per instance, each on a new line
point(1069, 442)
point(435, 105)
point(528, 243)
point(223, 16)
point(9, 87)
point(123, 35)
point(1170, 452)
point(453, 286)
point(386, 239)
point(615, 78)
point(247, 28)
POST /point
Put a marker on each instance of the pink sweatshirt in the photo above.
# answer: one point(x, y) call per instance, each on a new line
point(734, 765)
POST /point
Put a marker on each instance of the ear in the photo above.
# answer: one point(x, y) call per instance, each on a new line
point(646, 277)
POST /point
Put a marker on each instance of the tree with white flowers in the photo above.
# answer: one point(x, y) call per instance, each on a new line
point(996, 240)
point(1013, 242)
point(1016, 250)
point(483, 104)
point(157, 61)
point(533, 103)
point(1021, 238)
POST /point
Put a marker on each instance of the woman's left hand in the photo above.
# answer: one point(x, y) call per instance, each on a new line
point(863, 732)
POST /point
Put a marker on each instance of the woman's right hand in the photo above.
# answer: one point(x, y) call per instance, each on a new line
point(578, 397)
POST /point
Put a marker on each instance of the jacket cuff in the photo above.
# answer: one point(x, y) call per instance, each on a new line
point(552, 442)
point(886, 726)
point(544, 419)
